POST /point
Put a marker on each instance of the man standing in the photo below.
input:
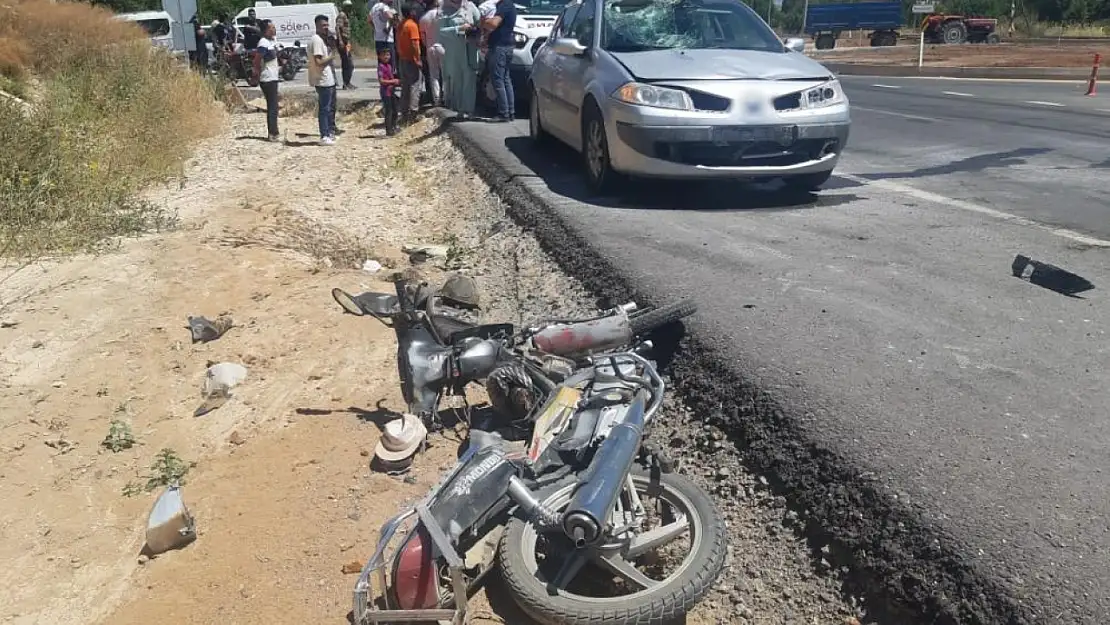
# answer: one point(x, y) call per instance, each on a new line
point(251, 33)
point(343, 35)
point(200, 56)
point(501, 27)
point(321, 75)
point(382, 18)
point(408, 48)
point(429, 33)
point(269, 77)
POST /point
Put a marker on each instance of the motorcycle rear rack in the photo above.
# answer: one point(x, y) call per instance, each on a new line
point(366, 612)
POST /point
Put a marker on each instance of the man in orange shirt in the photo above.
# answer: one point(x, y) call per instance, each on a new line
point(408, 49)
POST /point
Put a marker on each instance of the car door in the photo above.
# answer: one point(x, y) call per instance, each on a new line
point(546, 70)
point(569, 88)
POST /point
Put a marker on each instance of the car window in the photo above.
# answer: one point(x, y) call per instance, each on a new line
point(155, 27)
point(563, 27)
point(637, 25)
point(582, 28)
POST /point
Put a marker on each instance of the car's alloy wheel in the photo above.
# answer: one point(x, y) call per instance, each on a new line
point(595, 151)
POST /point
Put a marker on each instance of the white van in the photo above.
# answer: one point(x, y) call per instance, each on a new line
point(294, 22)
point(159, 25)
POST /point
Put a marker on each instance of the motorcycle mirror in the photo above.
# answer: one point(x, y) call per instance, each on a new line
point(348, 302)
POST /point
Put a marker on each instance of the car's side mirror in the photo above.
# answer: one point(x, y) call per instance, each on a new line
point(795, 44)
point(568, 47)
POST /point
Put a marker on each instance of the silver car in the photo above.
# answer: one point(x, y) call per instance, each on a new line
point(685, 89)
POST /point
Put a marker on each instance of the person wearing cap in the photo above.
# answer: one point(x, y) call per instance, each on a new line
point(343, 36)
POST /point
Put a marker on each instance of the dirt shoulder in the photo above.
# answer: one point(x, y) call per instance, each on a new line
point(972, 55)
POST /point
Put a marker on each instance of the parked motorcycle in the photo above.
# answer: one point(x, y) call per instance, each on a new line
point(291, 59)
point(566, 518)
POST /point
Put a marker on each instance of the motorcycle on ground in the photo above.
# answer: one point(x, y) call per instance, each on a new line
point(588, 522)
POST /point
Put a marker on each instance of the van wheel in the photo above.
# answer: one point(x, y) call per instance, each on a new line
point(600, 175)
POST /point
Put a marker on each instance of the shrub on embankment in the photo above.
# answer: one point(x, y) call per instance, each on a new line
point(104, 115)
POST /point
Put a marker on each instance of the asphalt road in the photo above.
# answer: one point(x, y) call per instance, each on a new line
point(882, 311)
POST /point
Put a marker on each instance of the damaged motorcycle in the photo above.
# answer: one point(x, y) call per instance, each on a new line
point(587, 521)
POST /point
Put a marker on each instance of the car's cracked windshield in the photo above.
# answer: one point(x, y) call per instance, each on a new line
point(641, 25)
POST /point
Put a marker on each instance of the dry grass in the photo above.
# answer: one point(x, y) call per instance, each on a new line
point(110, 115)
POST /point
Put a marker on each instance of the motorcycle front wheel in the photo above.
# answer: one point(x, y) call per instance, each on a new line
point(556, 584)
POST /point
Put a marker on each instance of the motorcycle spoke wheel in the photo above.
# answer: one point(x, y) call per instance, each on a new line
point(667, 565)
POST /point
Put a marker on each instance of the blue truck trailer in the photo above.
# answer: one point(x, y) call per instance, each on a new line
point(825, 22)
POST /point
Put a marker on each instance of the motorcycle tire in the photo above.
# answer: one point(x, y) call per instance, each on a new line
point(663, 604)
point(658, 317)
point(288, 71)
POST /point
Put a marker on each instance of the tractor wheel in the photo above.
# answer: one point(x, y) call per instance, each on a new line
point(994, 38)
point(825, 42)
point(954, 32)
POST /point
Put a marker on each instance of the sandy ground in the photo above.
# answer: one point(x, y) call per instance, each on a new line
point(282, 490)
point(969, 55)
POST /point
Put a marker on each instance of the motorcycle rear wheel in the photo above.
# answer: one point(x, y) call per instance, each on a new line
point(664, 602)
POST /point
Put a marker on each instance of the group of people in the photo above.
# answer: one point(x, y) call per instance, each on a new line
point(440, 44)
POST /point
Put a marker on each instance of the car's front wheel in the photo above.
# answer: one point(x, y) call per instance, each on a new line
point(600, 175)
point(807, 182)
point(535, 123)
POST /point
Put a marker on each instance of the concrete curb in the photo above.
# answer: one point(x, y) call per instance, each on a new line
point(1023, 73)
point(909, 570)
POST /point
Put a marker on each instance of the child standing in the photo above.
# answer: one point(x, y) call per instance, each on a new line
point(389, 81)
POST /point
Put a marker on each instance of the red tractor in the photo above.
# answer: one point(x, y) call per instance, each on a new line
point(956, 29)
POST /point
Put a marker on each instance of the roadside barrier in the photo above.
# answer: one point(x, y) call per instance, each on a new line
point(1092, 83)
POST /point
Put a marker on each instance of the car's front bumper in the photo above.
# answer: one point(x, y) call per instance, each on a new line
point(691, 147)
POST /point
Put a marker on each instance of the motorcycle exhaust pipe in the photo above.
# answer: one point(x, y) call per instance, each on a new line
point(601, 485)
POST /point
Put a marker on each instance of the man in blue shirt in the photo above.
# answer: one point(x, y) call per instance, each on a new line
point(500, 28)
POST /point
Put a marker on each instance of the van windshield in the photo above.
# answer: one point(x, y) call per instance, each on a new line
point(155, 27)
point(639, 25)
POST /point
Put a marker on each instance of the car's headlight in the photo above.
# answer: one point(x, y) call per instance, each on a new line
point(652, 95)
point(824, 95)
point(520, 38)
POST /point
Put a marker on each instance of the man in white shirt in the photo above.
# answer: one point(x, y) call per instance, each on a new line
point(383, 18)
point(321, 75)
point(269, 76)
point(429, 34)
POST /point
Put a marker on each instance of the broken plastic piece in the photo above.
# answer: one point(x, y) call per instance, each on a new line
point(169, 525)
point(1049, 276)
point(204, 330)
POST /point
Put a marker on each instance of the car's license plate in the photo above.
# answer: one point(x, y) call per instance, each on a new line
point(784, 135)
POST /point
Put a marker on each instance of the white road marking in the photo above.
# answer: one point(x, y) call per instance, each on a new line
point(1012, 80)
point(1103, 110)
point(896, 114)
point(1043, 103)
point(886, 86)
point(958, 93)
point(971, 207)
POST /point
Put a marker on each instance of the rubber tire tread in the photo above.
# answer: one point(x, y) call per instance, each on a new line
point(680, 596)
point(656, 318)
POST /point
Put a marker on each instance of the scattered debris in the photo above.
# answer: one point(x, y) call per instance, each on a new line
point(204, 330)
point(352, 567)
point(219, 379)
point(62, 444)
point(236, 438)
point(8, 323)
point(169, 525)
point(419, 253)
point(372, 266)
point(119, 437)
point(1049, 276)
point(400, 441)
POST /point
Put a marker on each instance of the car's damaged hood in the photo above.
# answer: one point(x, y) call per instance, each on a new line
point(719, 64)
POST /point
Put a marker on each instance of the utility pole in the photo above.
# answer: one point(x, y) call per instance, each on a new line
point(1012, 12)
point(805, 13)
